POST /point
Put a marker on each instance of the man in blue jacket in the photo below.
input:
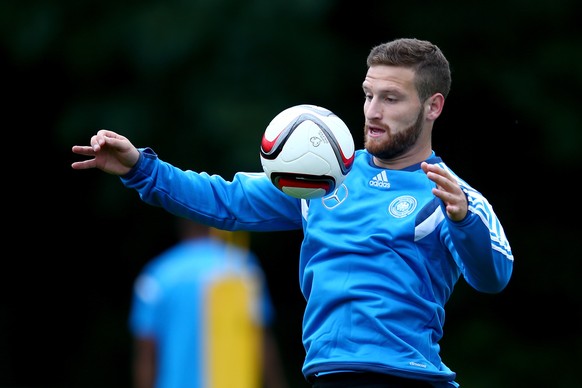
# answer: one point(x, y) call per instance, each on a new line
point(378, 262)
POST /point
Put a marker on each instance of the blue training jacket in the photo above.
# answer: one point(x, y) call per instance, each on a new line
point(378, 262)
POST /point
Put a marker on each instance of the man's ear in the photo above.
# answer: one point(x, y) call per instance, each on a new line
point(434, 106)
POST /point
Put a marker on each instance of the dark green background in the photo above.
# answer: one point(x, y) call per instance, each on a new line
point(199, 81)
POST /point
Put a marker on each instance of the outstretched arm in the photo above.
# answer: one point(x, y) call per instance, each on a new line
point(110, 152)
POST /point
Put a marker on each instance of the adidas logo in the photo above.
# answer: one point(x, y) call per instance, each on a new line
point(380, 181)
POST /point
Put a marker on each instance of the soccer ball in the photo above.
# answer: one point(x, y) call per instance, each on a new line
point(307, 151)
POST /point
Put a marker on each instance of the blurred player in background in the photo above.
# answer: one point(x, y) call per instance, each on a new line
point(200, 316)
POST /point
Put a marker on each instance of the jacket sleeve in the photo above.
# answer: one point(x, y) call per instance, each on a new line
point(248, 202)
point(480, 247)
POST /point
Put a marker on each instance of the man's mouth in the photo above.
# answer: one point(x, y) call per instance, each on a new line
point(375, 131)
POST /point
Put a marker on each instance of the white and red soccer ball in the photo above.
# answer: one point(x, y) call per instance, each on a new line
point(307, 151)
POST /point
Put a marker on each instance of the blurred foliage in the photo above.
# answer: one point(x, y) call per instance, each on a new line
point(198, 81)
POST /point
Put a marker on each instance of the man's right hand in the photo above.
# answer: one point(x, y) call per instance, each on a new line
point(110, 152)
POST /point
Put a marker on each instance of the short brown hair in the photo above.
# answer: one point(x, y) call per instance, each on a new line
point(433, 74)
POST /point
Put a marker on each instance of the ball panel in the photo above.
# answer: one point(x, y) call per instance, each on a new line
point(345, 163)
point(306, 187)
point(301, 163)
point(304, 193)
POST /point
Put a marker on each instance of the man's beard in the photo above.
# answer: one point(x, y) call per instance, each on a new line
point(397, 144)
